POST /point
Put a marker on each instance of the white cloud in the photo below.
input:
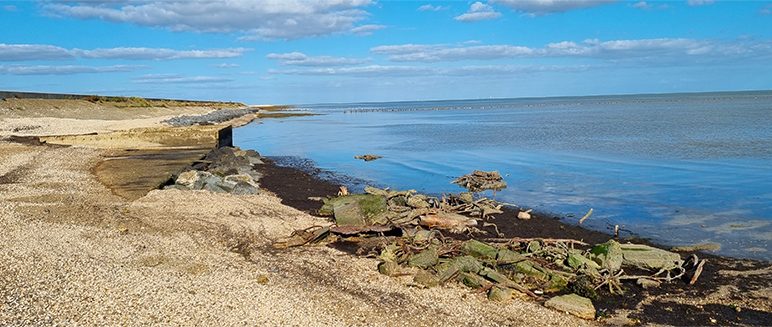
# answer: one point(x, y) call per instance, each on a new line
point(64, 70)
point(700, 2)
point(366, 71)
point(478, 11)
point(179, 79)
point(267, 19)
point(366, 29)
point(543, 7)
point(301, 59)
point(410, 71)
point(641, 49)
point(429, 7)
point(20, 52)
point(157, 53)
point(642, 5)
point(458, 53)
point(227, 65)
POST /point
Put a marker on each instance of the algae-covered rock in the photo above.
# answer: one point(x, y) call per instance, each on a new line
point(578, 261)
point(459, 265)
point(508, 257)
point(389, 253)
point(494, 275)
point(534, 246)
point(426, 279)
point(650, 258)
point(551, 280)
point(500, 294)
point(389, 268)
point(608, 255)
point(475, 281)
point(355, 210)
point(584, 286)
point(424, 259)
point(574, 304)
point(479, 249)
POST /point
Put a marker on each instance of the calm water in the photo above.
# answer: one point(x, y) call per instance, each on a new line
point(678, 168)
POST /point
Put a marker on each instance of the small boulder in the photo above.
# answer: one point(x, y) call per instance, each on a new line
point(524, 215)
point(649, 258)
point(214, 187)
point(239, 178)
point(426, 279)
point(356, 210)
point(573, 304)
point(389, 268)
point(608, 255)
point(245, 189)
point(193, 179)
point(500, 294)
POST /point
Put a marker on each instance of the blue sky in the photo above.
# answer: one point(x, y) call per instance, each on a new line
point(291, 51)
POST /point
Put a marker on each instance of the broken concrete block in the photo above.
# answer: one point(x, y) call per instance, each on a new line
point(426, 279)
point(649, 258)
point(424, 259)
point(573, 304)
point(479, 249)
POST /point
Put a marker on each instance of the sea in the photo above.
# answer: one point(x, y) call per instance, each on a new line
point(678, 169)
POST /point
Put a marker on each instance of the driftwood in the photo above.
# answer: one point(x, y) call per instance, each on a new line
point(587, 215)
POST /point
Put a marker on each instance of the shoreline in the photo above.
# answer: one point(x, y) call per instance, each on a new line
point(192, 247)
point(295, 185)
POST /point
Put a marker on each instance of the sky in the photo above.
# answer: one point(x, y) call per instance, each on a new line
point(314, 51)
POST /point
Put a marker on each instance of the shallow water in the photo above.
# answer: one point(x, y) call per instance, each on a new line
point(678, 168)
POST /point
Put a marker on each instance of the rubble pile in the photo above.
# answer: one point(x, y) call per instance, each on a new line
point(224, 170)
point(479, 181)
point(420, 236)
